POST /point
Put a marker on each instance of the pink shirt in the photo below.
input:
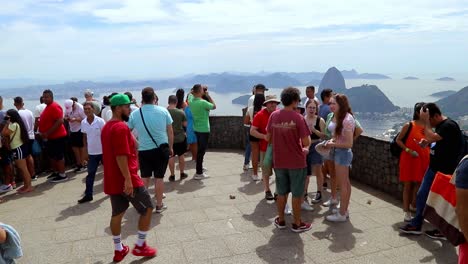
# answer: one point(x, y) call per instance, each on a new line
point(287, 128)
point(349, 124)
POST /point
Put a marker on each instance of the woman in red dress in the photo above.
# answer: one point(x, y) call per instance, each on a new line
point(414, 160)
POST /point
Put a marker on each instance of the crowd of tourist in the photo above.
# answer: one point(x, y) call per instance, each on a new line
point(284, 137)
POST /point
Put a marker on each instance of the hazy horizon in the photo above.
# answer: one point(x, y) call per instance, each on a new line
point(122, 39)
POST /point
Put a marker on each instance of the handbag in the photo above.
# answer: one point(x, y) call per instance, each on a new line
point(6, 141)
point(322, 150)
point(395, 149)
point(440, 208)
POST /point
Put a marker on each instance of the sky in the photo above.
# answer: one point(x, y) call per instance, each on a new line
point(135, 39)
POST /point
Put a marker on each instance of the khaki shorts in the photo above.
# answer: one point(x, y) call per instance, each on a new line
point(267, 169)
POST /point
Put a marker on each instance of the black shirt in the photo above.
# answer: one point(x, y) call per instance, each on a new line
point(444, 153)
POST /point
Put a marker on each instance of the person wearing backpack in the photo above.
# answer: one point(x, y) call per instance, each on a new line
point(414, 160)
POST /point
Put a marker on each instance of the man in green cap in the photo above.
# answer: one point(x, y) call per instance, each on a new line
point(121, 180)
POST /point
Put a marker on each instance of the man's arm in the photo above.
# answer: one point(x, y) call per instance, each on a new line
point(122, 162)
point(170, 136)
point(3, 235)
point(305, 141)
point(211, 101)
point(254, 132)
point(462, 210)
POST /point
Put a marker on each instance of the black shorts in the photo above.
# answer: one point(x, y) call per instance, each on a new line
point(140, 199)
point(21, 152)
point(180, 148)
point(5, 157)
point(253, 139)
point(55, 148)
point(76, 139)
point(154, 162)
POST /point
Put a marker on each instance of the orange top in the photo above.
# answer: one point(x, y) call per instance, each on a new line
point(413, 168)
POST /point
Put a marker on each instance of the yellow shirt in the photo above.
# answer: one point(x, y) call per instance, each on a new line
point(15, 136)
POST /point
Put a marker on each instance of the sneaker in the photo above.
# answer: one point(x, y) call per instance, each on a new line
point(34, 178)
point(330, 202)
point(5, 188)
point(205, 169)
point(337, 217)
point(144, 251)
point(278, 224)
point(245, 167)
point(172, 178)
point(337, 210)
point(306, 206)
point(301, 228)
point(435, 234)
point(59, 179)
point(200, 176)
point(183, 176)
point(85, 199)
point(412, 209)
point(13, 184)
point(160, 209)
point(79, 169)
point(53, 175)
point(317, 198)
point(164, 195)
point(120, 255)
point(407, 217)
point(287, 210)
point(255, 178)
point(409, 229)
point(269, 196)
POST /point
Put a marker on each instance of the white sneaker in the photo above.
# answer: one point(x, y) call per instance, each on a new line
point(412, 209)
point(408, 217)
point(330, 202)
point(337, 217)
point(337, 210)
point(255, 178)
point(306, 206)
point(5, 188)
point(245, 167)
point(200, 176)
point(287, 210)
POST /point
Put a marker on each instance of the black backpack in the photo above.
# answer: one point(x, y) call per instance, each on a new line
point(395, 150)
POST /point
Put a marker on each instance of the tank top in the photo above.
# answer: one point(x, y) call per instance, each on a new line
point(317, 126)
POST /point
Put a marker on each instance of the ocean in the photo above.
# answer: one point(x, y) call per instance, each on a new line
point(404, 93)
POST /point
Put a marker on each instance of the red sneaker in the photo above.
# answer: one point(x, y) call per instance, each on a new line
point(120, 255)
point(144, 251)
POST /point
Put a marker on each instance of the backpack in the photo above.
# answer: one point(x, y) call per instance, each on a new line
point(395, 149)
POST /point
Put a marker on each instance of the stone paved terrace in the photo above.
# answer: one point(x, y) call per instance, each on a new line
point(203, 225)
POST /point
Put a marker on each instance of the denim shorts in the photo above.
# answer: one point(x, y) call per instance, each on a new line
point(342, 157)
point(313, 158)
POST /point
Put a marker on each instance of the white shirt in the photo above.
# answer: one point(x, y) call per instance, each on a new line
point(251, 101)
point(93, 134)
point(28, 120)
point(38, 110)
point(78, 112)
point(106, 114)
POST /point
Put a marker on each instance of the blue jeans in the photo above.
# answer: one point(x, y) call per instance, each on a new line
point(248, 149)
point(421, 197)
point(93, 164)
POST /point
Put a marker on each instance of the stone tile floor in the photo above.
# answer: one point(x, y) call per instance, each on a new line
point(203, 225)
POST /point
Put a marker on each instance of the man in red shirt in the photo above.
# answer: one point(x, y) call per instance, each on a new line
point(258, 130)
point(290, 138)
point(121, 180)
point(54, 134)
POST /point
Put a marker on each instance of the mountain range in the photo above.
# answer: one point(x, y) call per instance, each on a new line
point(455, 105)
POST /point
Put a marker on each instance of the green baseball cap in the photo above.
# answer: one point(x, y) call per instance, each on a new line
point(120, 99)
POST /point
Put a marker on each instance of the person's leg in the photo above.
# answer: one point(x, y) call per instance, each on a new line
point(77, 154)
point(306, 188)
point(330, 164)
point(282, 189)
point(194, 150)
point(463, 253)
point(93, 165)
point(247, 146)
point(116, 224)
point(255, 156)
point(181, 164)
point(159, 189)
point(317, 170)
point(30, 164)
point(414, 191)
point(297, 178)
point(407, 195)
point(421, 198)
point(23, 167)
point(172, 165)
point(202, 140)
point(61, 166)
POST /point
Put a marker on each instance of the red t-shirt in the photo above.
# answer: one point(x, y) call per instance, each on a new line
point(287, 129)
point(260, 121)
point(117, 140)
point(52, 113)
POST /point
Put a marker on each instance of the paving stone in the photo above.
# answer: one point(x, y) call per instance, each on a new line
point(245, 242)
point(215, 228)
point(206, 249)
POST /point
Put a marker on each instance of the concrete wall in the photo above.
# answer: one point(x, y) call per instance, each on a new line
point(227, 132)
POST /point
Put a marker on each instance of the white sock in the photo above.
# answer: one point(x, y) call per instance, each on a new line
point(62, 175)
point(117, 243)
point(141, 238)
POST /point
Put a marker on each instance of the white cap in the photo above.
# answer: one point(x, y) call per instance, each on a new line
point(68, 106)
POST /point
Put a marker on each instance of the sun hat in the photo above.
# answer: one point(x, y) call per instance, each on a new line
point(271, 98)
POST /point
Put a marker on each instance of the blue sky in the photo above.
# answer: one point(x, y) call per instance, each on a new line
point(123, 39)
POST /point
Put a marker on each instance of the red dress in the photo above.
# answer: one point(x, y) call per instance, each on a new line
point(413, 168)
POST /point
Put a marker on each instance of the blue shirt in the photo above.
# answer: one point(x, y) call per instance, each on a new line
point(461, 180)
point(324, 110)
point(11, 249)
point(157, 119)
